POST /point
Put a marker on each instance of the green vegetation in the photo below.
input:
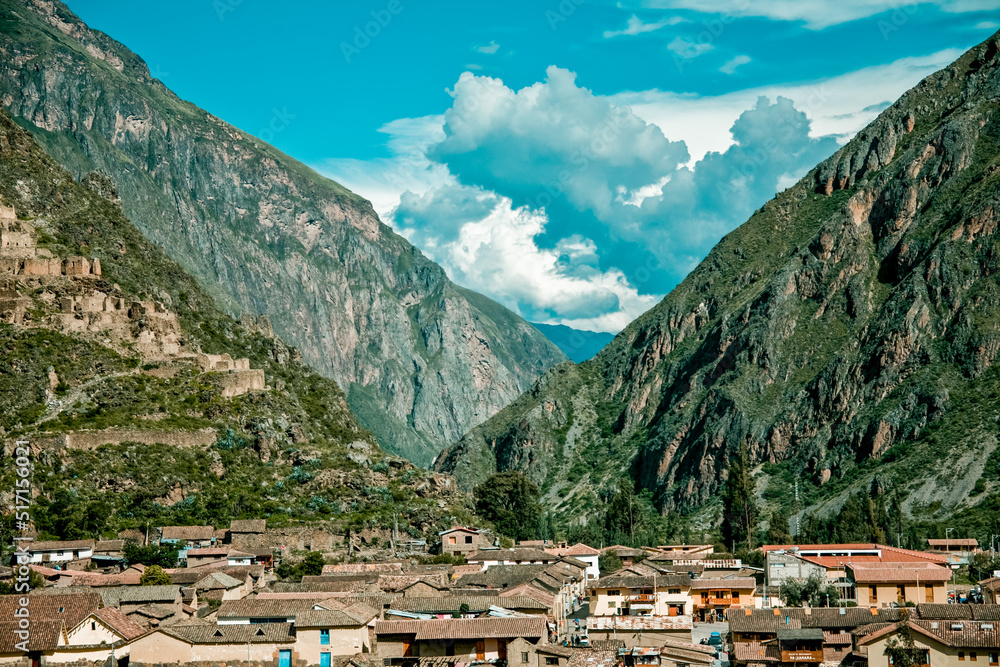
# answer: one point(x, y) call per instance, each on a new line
point(510, 501)
point(161, 555)
point(154, 576)
point(741, 514)
point(310, 566)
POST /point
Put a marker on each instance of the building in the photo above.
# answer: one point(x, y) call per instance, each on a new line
point(474, 606)
point(60, 552)
point(639, 630)
point(247, 527)
point(225, 556)
point(460, 540)
point(191, 536)
point(583, 553)
point(628, 555)
point(425, 642)
point(488, 558)
point(940, 643)
point(626, 594)
point(715, 596)
point(322, 633)
point(269, 643)
point(886, 584)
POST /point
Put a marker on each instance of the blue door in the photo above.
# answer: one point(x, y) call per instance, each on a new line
point(324, 660)
point(284, 659)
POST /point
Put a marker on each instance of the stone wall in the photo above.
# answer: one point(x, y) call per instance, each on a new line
point(292, 538)
point(93, 439)
point(237, 383)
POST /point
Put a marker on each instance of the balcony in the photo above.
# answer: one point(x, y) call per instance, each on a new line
point(646, 598)
point(719, 602)
point(802, 656)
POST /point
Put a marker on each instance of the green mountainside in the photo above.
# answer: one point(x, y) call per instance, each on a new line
point(68, 376)
point(421, 360)
point(847, 334)
point(576, 344)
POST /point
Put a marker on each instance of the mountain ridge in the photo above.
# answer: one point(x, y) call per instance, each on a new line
point(849, 317)
point(267, 235)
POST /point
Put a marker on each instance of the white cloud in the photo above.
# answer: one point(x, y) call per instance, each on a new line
point(685, 48)
point(635, 26)
point(987, 25)
point(815, 14)
point(731, 65)
point(488, 49)
point(839, 105)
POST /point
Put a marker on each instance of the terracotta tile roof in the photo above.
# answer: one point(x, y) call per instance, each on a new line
point(721, 583)
point(628, 580)
point(132, 534)
point(119, 622)
point(837, 638)
point(156, 611)
point(44, 636)
point(601, 653)
point(353, 616)
point(66, 608)
point(517, 553)
point(555, 649)
point(357, 568)
point(187, 532)
point(625, 552)
point(217, 581)
point(957, 634)
point(248, 526)
point(854, 546)
point(459, 529)
point(147, 594)
point(56, 545)
point(579, 549)
point(263, 608)
point(954, 542)
point(466, 628)
point(502, 576)
point(261, 633)
point(106, 546)
point(756, 652)
point(476, 603)
point(875, 573)
point(208, 552)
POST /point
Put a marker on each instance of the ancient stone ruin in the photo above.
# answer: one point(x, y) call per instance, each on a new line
point(235, 375)
point(21, 256)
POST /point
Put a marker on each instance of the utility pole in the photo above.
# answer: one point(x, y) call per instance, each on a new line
point(796, 510)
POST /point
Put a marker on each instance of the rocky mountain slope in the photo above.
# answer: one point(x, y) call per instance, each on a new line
point(849, 329)
point(143, 402)
point(421, 359)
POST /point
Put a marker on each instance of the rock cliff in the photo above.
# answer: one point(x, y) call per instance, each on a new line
point(846, 327)
point(421, 359)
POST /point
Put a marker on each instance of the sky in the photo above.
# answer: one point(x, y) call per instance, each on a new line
point(572, 159)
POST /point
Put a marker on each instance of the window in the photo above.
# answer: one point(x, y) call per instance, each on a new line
point(972, 656)
point(551, 661)
point(872, 593)
point(928, 594)
point(468, 539)
point(961, 655)
point(524, 658)
point(673, 591)
point(614, 593)
point(612, 604)
point(451, 540)
point(93, 626)
point(994, 658)
point(324, 637)
point(901, 593)
point(736, 596)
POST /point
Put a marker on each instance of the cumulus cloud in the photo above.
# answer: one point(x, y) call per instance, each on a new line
point(572, 209)
point(636, 26)
point(685, 48)
point(730, 66)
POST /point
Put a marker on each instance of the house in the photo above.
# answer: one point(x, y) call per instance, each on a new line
point(634, 595)
point(628, 555)
point(830, 561)
point(522, 652)
point(363, 568)
point(204, 556)
point(488, 558)
point(682, 654)
point(467, 640)
point(938, 643)
point(583, 553)
point(147, 605)
point(109, 553)
point(474, 606)
point(60, 552)
point(249, 611)
point(714, 596)
point(221, 586)
point(191, 536)
point(333, 632)
point(269, 643)
point(991, 590)
point(640, 630)
point(459, 540)
point(247, 527)
point(886, 584)
point(959, 549)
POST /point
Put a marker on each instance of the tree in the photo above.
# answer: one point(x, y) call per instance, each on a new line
point(312, 564)
point(777, 528)
point(814, 591)
point(163, 555)
point(625, 517)
point(154, 576)
point(901, 650)
point(609, 562)
point(511, 501)
point(739, 503)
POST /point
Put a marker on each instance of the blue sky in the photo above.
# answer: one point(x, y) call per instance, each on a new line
point(573, 159)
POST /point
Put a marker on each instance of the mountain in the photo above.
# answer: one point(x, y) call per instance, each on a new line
point(577, 344)
point(847, 332)
point(421, 359)
point(144, 403)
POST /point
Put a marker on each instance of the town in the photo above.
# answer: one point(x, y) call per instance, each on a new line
point(252, 595)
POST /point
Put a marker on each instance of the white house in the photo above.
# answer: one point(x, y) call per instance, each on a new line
point(59, 552)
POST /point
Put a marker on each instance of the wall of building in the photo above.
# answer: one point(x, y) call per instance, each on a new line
point(940, 654)
point(887, 594)
point(653, 638)
point(603, 604)
point(343, 641)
